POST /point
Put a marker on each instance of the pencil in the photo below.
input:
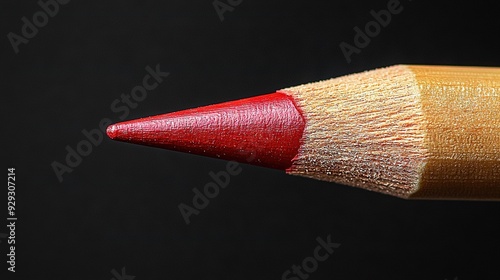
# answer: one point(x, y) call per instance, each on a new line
point(415, 132)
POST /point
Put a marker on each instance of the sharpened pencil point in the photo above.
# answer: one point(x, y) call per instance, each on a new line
point(264, 130)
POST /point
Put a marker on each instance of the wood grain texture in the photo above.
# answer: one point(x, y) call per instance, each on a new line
point(409, 131)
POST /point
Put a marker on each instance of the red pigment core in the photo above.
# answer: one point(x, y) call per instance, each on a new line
point(264, 130)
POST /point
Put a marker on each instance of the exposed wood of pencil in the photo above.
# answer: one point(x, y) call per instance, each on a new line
point(428, 132)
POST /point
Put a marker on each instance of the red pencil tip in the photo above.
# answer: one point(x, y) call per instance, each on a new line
point(265, 130)
point(112, 131)
point(122, 131)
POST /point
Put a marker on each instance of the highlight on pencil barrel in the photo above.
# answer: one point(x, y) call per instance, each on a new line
point(418, 132)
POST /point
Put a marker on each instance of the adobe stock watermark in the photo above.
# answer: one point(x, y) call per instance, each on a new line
point(49, 8)
point(94, 137)
point(122, 276)
point(372, 29)
point(310, 264)
point(222, 7)
point(211, 190)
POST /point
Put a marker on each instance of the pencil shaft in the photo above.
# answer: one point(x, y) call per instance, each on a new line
point(418, 132)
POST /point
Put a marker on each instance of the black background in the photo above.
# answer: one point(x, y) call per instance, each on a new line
point(119, 207)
